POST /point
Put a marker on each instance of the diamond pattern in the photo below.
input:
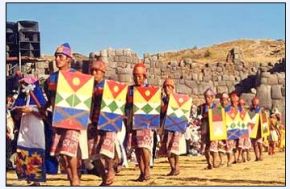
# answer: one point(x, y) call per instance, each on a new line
point(147, 108)
point(113, 106)
point(58, 98)
point(73, 100)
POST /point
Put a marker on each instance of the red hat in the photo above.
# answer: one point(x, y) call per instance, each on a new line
point(64, 49)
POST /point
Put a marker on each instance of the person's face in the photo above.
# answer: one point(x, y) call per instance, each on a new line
point(224, 102)
point(62, 61)
point(138, 76)
point(255, 102)
point(209, 99)
point(98, 74)
point(235, 100)
point(168, 89)
point(273, 120)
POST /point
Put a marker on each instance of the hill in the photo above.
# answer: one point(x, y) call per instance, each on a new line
point(252, 51)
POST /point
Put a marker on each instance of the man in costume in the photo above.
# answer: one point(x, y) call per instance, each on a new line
point(141, 139)
point(65, 141)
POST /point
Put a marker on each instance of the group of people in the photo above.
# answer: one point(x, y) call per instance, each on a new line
point(104, 152)
point(238, 150)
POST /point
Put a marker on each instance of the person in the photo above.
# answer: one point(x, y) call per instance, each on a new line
point(170, 139)
point(101, 143)
point(257, 142)
point(281, 127)
point(232, 144)
point(30, 160)
point(274, 132)
point(244, 142)
point(209, 147)
point(65, 142)
point(222, 145)
point(141, 139)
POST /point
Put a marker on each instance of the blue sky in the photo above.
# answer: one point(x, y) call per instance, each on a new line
point(149, 27)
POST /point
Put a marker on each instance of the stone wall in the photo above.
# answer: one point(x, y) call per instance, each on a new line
point(267, 80)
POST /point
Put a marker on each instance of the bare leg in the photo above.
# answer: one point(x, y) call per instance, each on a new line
point(229, 159)
point(260, 148)
point(221, 158)
point(207, 156)
point(67, 168)
point(146, 158)
point(140, 161)
point(110, 175)
point(171, 163)
point(177, 168)
point(239, 155)
point(214, 155)
point(100, 163)
point(73, 163)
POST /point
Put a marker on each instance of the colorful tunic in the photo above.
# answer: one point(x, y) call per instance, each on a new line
point(65, 141)
point(170, 140)
point(30, 160)
point(258, 138)
point(100, 142)
point(210, 145)
point(141, 138)
point(244, 142)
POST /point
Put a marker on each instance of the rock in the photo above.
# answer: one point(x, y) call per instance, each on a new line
point(273, 80)
point(127, 52)
point(104, 53)
point(219, 69)
point(183, 89)
point(207, 78)
point(124, 78)
point(276, 92)
point(221, 89)
point(112, 65)
point(265, 74)
point(283, 90)
point(264, 80)
point(281, 81)
point(225, 77)
point(173, 63)
point(187, 61)
point(264, 94)
point(194, 76)
point(119, 52)
point(191, 84)
point(200, 76)
point(248, 98)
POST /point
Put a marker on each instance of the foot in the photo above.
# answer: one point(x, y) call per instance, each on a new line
point(229, 164)
point(239, 161)
point(260, 159)
point(140, 178)
point(248, 158)
point(147, 177)
point(208, 167)
point(176, 172)
point(171, 173)
point(35, 184)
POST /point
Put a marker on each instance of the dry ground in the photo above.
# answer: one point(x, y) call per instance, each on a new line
point(269, 172)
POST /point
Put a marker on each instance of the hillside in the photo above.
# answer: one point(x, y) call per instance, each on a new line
point(253, 51)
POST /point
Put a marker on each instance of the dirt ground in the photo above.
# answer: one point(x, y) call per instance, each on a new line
point(269, 172)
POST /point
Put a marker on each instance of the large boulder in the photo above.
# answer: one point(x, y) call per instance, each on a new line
point(276, 92)
point(264, 94)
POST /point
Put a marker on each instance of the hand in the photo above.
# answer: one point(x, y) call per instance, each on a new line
point(26, 109)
